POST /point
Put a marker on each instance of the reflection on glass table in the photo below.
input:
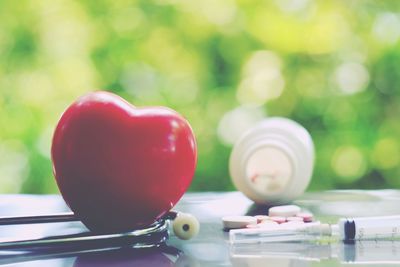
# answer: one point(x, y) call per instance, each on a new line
point(303, 254)
point(211, 246)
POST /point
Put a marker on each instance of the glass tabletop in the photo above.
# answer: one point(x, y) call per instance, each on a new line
point(211, 246)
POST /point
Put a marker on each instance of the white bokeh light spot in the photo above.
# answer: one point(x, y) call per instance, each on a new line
point(262, 79)
point(235, 122)
point(352, 77)
point(386, 28)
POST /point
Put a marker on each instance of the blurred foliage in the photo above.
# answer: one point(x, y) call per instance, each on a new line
point(333, 66)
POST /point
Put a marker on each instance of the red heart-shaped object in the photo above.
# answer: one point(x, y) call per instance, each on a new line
point(119, 167)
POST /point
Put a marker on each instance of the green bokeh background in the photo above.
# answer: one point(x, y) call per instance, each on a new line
point(333, 66)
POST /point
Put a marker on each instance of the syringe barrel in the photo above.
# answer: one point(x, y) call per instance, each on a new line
point(306, 232)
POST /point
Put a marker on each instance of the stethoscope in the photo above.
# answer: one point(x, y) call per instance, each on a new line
point(185, 226)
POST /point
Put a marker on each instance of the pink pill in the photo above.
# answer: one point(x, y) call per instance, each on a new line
point(261, 218)
point(267, 224)
point(291, 219)
point(252, 226)
point(278, 219)
point(307, 217)
point(291, 223)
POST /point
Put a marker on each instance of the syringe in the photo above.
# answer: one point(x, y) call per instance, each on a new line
point(280, 233)
point(385, 227)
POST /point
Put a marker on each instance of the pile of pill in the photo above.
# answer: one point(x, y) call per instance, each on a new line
point(279, 215)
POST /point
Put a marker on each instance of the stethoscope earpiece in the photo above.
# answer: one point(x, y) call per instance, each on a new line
point(185, 226)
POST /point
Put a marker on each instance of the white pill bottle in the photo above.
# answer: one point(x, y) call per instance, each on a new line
point(272, 163)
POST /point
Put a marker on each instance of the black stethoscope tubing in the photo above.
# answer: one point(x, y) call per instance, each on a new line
point(151, 236)
point(51, 218)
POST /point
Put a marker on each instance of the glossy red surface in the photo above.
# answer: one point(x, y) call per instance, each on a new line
point(119, 167)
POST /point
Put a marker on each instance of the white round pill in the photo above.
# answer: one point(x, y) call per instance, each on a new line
point(284, 211)
point(234, 222)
